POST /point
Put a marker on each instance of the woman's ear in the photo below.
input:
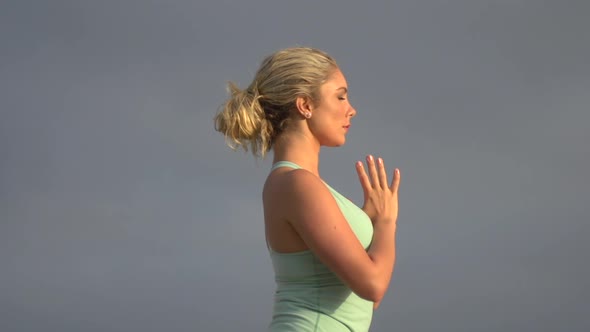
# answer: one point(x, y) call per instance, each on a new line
point(304, 106)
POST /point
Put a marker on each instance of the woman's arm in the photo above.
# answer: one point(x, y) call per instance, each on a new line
point(311, 209)
point(381, 204)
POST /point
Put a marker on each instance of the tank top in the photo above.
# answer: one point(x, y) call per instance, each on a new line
point(309, 296)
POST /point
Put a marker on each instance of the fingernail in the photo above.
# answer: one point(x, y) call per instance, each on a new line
point(370, 157)
point(359, 163)
point(380, 161)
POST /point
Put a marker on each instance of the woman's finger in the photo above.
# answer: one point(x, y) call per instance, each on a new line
point(395, 181)
point(382, 174)
point(373, 172)
point(363, 178)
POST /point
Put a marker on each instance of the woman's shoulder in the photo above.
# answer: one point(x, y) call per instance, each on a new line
point(292, 191)
point(289, 182)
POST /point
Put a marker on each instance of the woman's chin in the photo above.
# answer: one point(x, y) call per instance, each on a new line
point(335, 144)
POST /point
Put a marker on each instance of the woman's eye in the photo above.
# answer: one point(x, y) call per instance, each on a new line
point(342, 98)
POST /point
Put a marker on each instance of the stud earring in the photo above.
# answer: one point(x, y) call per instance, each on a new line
point(307, 115)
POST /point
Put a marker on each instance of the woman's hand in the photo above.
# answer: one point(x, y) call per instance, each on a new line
point(381, 199)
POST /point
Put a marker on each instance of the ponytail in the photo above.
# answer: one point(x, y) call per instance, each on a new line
point(243, 122)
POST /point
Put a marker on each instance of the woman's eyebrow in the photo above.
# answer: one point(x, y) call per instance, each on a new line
point(343, 88)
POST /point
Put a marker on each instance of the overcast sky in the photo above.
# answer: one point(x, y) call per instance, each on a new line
point(121, 209)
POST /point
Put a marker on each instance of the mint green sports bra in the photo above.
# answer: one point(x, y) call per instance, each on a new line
point(309, 296)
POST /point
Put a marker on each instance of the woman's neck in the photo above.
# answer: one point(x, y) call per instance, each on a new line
point(300, 149)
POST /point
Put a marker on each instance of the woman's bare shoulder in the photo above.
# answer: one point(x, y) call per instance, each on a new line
point(292, 183)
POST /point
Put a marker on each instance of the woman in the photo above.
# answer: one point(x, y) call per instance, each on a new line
point(332, 260)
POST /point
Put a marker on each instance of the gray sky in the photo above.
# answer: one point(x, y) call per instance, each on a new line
point(122, 210)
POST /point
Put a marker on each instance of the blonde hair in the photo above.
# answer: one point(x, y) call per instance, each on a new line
point(253, 118)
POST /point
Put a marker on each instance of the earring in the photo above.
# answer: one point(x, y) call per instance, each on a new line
point(307, 115)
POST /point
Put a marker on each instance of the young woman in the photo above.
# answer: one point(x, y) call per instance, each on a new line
point(332, 260)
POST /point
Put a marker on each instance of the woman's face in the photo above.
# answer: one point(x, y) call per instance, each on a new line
point(331, 116)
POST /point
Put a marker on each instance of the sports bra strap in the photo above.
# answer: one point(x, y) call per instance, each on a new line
point(284, 163)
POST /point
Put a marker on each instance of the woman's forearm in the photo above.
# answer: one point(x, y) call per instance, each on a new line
point(382, 253)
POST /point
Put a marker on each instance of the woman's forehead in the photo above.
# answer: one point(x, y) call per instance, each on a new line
point(336, 81)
